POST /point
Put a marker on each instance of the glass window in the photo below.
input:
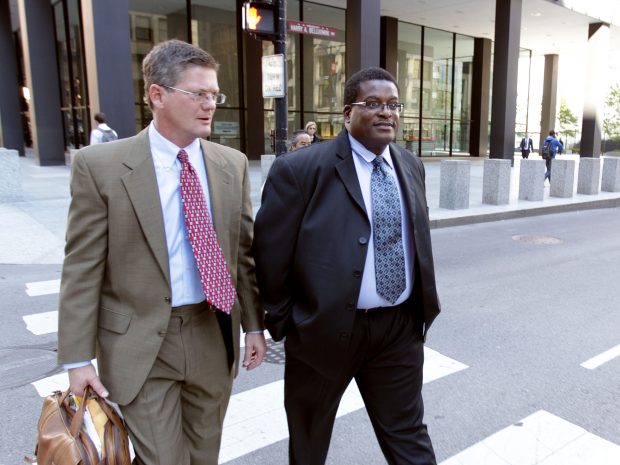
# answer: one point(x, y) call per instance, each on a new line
point(73, 96)
point(214, 29)
point(152, 22)
point(408, 76)
point(523, 91)
point(324, 70)
point(436, 92)
point(463, 64)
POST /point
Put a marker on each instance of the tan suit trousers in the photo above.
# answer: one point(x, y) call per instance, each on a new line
point(177, 417)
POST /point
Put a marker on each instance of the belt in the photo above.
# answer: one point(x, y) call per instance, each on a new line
point(191, 309)
point(378, 309)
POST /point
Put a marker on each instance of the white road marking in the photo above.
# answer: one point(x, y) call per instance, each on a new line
point(540, 439)
point(437, 365)
point(42, 323)
point(43, 287)
point(600, 359)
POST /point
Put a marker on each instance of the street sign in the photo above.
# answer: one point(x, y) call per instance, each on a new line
point(274, 84)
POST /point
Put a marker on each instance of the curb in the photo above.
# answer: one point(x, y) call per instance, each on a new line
point(512, 214)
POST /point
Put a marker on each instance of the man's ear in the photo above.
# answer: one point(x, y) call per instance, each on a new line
point(347, 112)
point(156, 95)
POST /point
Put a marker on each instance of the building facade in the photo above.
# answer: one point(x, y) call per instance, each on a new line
point(93, 51)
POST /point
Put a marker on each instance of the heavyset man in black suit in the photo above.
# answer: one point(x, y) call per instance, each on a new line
point(319, 270)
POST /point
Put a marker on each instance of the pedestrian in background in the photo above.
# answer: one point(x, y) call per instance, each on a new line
point(103, 132)
point(311, 129)
point(158, 276)
point(299, 139)
point(345, 271)
point(527, 146)
point(549, 151)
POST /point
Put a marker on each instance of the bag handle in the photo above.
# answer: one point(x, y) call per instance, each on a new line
point(109, 411)
point(78, 419)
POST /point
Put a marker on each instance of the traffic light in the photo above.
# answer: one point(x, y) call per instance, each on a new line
point(260, 18)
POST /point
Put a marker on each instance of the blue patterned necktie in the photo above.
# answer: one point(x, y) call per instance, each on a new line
point(387, 227)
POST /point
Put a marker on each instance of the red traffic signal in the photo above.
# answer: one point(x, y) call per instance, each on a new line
point(259, 18)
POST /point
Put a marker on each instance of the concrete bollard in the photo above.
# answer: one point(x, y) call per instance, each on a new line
point(265, 165)
point(562, 178)
point(532, 179)
point(589, 176)
point(454, 184)
point(611, 174)
point(496, 181)
point(10, 176)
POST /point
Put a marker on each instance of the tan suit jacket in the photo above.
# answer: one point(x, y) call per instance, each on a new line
point(115, 296)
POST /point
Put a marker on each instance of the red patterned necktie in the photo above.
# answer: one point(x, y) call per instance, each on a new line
point(214, 275)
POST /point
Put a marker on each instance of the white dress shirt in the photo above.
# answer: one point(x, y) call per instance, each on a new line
point(369, 298)
point(184, 277)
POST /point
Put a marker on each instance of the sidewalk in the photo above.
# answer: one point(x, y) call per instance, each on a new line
point(33, 228)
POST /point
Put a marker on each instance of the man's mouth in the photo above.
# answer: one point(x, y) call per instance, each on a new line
point(390, 124)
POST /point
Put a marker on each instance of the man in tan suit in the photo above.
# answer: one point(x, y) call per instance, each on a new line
point(135, 288)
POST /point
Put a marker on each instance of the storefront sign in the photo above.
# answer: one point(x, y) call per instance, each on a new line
point(311, 29)
point(225, 128)
point(273, 76)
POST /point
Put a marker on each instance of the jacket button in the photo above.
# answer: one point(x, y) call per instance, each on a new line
point(357, 273)
point(162, 332)
point(350, 306)
point(344, 336)
point(362, 241)
point(167, 299)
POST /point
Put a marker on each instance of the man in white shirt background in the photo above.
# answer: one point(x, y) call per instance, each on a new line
point(103, 132)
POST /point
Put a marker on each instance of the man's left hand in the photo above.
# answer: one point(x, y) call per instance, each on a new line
point(255, 350)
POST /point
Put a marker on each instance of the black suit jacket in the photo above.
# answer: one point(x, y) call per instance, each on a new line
point(310, 242)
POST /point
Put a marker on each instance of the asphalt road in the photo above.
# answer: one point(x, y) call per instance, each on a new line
point(525, 303)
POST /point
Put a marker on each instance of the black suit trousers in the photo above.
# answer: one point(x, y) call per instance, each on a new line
point(385, 357)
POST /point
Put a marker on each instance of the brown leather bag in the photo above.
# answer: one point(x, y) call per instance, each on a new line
point(63, 441)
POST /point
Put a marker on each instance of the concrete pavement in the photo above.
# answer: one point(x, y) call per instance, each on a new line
point(33, 227)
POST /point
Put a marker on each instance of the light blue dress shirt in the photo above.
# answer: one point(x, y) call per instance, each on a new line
point(369, 298)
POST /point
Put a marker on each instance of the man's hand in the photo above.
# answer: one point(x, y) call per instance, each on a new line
point(255, 350)
point(81, 377)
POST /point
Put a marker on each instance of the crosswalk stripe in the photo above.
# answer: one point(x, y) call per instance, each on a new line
point(539, 439)
point(600, 359)
point(38, 288)
point(42, 323)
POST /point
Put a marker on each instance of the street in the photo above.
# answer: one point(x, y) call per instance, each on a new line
point(522, 367)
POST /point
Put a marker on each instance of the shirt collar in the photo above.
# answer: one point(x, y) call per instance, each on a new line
point(358, 148)
point(165, 152)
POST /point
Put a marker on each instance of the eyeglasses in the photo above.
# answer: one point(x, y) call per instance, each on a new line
point(202, 97)
point(378, 106)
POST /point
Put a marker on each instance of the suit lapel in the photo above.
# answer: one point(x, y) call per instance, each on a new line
point(220, 190)
point(406, 178)
point(346, 170)
point(141, 186)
